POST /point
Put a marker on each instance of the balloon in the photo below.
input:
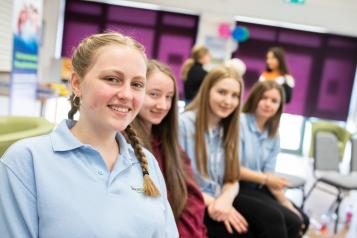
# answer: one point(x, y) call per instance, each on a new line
point(246, 33)
point(240, 34)
point(224, 30)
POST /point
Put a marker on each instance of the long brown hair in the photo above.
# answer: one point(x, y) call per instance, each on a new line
point(200, 104)
point(167, 131)
point(256, 94)
point(82, 60)
point(279, 54)
point(197, 53)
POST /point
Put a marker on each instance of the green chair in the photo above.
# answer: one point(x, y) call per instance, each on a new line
point(342, 135)
point(14, 128)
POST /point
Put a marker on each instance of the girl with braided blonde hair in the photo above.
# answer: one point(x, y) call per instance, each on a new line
point(84, 179)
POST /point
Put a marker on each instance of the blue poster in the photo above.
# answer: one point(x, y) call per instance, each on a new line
point(26, 34)
point(26, 40)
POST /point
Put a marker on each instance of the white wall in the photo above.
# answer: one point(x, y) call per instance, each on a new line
point(48, 64)
point(6, 12)
point(337, 16)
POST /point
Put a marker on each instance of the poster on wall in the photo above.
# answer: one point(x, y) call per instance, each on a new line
point(217, 47)
point(26, 35)
point(27, 20)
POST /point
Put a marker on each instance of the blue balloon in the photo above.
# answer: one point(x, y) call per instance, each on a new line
point(240, 34)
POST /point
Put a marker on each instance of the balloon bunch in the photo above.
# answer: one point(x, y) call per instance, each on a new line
point(239, 33)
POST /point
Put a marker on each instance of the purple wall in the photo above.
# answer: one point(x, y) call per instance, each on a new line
point(175, 56)
point(323, 66)
point(166, 36)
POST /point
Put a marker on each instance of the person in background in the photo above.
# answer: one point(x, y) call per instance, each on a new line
point(277, 70)
point(84, 179)
point(157, 126)
point(259, 148)
point(192, 71)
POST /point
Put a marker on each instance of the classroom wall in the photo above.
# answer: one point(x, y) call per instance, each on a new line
point(48, 60)
point(6, 8)
point(333, 16)
point(337, 17)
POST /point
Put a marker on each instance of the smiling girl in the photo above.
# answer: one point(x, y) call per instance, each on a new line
point(209, 133)
point(157, 126)
point(260, 145)
point(84, 179)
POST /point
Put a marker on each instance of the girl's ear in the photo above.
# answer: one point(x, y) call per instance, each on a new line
point(75, 84)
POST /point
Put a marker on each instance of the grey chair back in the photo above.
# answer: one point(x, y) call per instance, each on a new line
point(354, 154)
point(326, 152)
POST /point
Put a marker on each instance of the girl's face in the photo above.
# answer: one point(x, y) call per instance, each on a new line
point(113, 90)
point(272, 61)
point(224, 98)
point(268, 104)
point(160, 92)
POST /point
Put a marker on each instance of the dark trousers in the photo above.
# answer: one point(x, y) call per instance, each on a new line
point(266, 217)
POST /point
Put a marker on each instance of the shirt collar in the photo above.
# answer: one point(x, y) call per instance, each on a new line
point(126, 149)
point(253, 126)
point(63, 140)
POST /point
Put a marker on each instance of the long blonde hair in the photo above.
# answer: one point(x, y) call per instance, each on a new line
point(197, 53)
point(167, 131)
point(82, 61)
point(200, 104)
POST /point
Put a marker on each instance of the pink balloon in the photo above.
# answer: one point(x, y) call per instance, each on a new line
point(224, 30)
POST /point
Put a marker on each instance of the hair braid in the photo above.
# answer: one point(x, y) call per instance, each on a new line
point(74, 106)
point(149, 186)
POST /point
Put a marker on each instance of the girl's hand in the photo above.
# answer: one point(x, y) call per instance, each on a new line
point(276, 182)
point(237, 221)
point(220, 208)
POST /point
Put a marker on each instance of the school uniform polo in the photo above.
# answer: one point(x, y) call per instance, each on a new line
point(213, 183)
point(258, 151)
point(54, 186)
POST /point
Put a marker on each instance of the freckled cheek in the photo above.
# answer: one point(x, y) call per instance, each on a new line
point(100, 98)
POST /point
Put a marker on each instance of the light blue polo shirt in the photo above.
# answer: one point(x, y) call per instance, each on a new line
point(53, 186)
point(212, 184)
point(257, 150)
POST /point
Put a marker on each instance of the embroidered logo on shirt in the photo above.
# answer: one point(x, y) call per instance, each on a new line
point(137, 189)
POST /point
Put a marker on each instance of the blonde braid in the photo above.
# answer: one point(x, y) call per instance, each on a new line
point(149, 186)
point(74, 106)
